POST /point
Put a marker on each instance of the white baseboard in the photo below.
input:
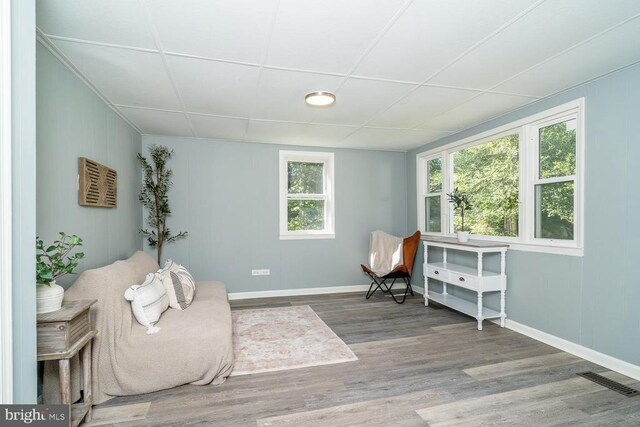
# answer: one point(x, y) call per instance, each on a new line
point(297, 292)
point(309, 291)
point(609, 362)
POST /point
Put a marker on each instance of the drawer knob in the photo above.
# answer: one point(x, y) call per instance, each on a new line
point(436, 272)
point(461, 279)
point(61, 327)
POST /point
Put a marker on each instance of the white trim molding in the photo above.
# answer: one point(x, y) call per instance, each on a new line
point(6, 337)
point(234, 296)
point(609, 362)
point(297, 292)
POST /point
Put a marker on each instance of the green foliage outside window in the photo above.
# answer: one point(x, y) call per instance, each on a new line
point(305, 178)
point(489, 175)
point(554, 201)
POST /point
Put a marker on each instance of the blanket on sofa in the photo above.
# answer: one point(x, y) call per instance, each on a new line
point(193, 346)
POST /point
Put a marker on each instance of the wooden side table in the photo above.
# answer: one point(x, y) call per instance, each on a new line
point(61, 335)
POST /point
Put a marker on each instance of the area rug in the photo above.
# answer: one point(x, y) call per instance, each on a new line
point(276, 339)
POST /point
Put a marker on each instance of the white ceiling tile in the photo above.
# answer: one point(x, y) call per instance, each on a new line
point(548, 29)
point(233, 30)
point(384, 139)
point(327, 134)
point(585, 62)
point(158, 122)
point(424, 102)
point(275, 132)
point(359, 100)
point(280, 94)
point(218, 127)
point(214, 87)
point(430, 34)
point(478, 110)
point(124, 76)
point(119, 22)
point(328, 35)
point(297, 133)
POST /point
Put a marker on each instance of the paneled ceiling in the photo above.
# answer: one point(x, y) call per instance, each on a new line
point(405, 72)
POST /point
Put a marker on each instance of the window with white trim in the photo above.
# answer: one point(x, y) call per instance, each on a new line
point(524, 181)
point(307, 207)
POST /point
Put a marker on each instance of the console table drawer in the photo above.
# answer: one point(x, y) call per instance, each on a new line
point(464, 280)
point(438, 273)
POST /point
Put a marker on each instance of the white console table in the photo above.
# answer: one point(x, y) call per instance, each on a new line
point(474, 279)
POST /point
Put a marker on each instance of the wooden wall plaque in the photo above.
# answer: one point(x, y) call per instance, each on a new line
point(98, 184)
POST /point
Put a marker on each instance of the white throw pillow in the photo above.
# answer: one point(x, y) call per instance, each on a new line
point(148, 301)
point(179, 283)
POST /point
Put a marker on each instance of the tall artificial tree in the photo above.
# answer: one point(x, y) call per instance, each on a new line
point(153, 196)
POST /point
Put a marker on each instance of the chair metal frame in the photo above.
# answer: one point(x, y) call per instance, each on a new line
point(403, 271)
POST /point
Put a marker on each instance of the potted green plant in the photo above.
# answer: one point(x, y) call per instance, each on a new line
point(461, 203)
point(52, 262)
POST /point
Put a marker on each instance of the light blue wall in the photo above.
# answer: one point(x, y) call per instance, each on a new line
point(23, 176)
point(225, 195)
point(73, 122)
point(592, 300)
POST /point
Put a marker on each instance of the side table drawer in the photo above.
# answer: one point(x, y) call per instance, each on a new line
point(438, 273)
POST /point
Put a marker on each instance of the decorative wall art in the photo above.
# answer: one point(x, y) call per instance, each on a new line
point(98, 184)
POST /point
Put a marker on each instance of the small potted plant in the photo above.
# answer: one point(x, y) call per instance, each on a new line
point(52, 262)
point(461, 203)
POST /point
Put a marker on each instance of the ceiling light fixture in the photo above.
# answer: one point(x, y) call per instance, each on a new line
point(320, 99)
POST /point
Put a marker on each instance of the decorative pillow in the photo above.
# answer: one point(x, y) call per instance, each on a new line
point(179, 283)
point(148, 301)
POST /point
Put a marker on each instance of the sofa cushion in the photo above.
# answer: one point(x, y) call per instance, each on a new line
point(148, 301)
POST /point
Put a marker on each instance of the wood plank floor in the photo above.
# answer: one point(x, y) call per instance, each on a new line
point(417, 366)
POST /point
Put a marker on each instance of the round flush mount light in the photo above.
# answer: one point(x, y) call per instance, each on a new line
point(320, 99)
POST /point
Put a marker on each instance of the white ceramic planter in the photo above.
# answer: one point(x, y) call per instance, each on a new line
point(463, 236)
point(49, 297)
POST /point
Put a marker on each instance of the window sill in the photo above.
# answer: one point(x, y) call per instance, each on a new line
point(310, 236)
point(524, 247)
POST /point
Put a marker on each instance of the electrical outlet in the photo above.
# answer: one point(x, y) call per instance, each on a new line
point(263, 272)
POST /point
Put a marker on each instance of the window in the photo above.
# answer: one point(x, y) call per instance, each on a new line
point(433, 195)
point(554, 183)
point(306, 195)
point(523, 180)
point(489, 175)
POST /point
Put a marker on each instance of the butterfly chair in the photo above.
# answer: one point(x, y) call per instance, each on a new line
point(401, 271)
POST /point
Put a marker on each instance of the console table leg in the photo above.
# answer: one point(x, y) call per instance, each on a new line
point(503, 314)
point(424, 273)
point(479, 311)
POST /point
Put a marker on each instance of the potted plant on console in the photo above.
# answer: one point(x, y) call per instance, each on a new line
point(52, 262)
point(461, 203)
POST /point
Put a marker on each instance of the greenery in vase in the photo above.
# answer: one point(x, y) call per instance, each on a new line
point(460, 202)
point(153, 196)
point(56, 260)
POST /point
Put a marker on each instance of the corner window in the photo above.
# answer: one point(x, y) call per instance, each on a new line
point(522, 179)
point(307, 207)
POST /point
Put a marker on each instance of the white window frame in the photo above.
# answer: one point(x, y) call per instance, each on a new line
point(326, 158)
point(529, 163)
point(6, 334)
point(423, 193)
